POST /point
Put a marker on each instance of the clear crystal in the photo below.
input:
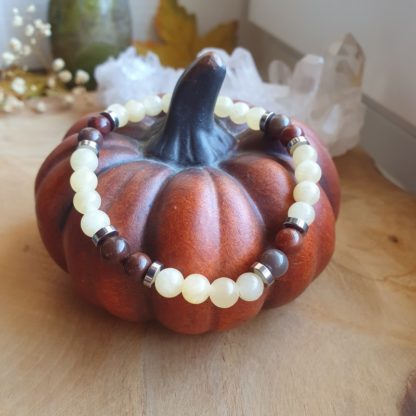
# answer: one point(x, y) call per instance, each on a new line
point(324, 92)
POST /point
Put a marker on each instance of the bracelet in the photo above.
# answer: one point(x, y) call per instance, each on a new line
point(169, 282)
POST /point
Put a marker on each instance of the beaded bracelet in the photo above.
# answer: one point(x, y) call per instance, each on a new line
point(169, 282)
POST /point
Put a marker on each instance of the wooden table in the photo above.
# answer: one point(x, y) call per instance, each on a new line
point(345, 347)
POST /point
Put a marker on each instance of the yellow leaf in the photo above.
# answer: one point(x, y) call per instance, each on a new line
point(179, 41)
point(223, 36)
point(169, 55)
point(174, 24)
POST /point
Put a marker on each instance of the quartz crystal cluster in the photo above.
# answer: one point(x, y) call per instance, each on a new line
point(322, 91)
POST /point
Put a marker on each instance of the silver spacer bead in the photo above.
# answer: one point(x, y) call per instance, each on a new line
point(296, 223)
point(151, 274)
point(88, 144)
point(113, 116)
point(265, 118)
point(296, 142)
point(102, 233)
point(263, 272)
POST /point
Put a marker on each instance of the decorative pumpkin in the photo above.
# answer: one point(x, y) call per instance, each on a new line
point(194, 191)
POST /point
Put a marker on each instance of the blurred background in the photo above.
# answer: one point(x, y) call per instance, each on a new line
point(277, 33)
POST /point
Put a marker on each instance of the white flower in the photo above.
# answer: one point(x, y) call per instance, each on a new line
point(26, 50)
point(33, 88)
point(15, 10)
point(78, 90)
point(68, 100)
point(65, 76)
point(51, 82)
point(40, 107)
point(29, 30)
point(45, 29)
point(11, 103)
point(58, 64)
point(38, 23)
point(17, 20)
point(81, 77)
point(8, 58)
point(15, 45)
point(18, 85)
point(31, 8)
point(33, 41)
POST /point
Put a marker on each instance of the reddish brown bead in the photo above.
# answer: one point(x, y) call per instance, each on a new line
point(289, 133)
point(276, 125)
point(137, 264)
point(101, 123)
point(114, 249)
point(288, 240)
point(89, 133)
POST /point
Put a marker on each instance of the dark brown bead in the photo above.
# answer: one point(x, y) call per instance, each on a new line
point(89, 133)
point(288, 240)
point(276, 125)
point(137, 264)
point(114, 249)
point(101, 123)
point(289, 133)
point(276, 261)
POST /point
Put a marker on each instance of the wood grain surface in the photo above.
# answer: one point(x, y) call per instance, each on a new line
point(347, 346)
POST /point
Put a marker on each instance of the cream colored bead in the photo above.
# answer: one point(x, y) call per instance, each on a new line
point(135, 110)
point(224, 292)
point(223, 106)
point(254, 116)
point(169, 282)
point(308, 171)
point(307, 191)
point(153, 105)
point(303, 153)
point(303, 211)
point(166, 99)
point(84, 158)
point(83, 179)
point(238, 113)
point(85, 201)
point(93, 221)
point(250, 286)
point(121, 112)
point(196, 288)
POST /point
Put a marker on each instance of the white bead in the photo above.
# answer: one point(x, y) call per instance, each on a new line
point(93, 221)
point(224, 292)
point(307, 191)
point(303, 211)
point(304, 152)
point(83, 179)
point(85, 201)
point(250, 286)
point(135, 110)
point(121, 112)
point(169, 282)
point(196, 288)
point(223, 106)
point(239, 112)
point(166, 102)
point(308, 171)
point(153, 105)
point(84, 158)
point(254, 116)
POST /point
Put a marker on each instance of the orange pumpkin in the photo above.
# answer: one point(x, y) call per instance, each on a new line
point(194, 192)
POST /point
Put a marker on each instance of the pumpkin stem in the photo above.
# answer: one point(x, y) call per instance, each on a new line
point(190, 134)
